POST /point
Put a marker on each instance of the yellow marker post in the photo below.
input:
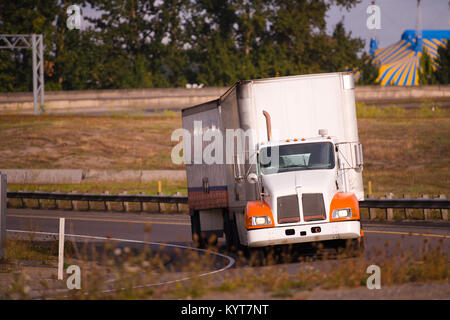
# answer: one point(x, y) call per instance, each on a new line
point(159, 187)
point(370, 187)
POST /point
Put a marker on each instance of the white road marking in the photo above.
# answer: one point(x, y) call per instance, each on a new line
point(231, 260)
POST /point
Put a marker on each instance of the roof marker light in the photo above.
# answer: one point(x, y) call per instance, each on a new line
point(323, 132)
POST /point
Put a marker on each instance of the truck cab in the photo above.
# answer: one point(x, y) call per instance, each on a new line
point(302, 194)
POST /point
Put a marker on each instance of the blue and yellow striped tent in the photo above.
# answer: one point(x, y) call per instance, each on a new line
point(399, 62)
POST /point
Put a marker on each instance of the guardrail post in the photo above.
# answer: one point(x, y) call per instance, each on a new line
point(426, 212)
point(107, 203)
point(56, 203)
point(145, 206)
point(3, 186)
point(125, 205)
point(444, 212)
point(407, 211)
point(141, 204)
point(390, 211)
point(372, 212)
point(22, 202)
point(178, 205)
point(74, 203)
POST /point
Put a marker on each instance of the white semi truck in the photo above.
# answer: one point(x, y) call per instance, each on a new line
point(276, 161)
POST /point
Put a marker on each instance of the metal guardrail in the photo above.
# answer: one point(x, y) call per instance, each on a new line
point(106, 198)
point(426, 204)
point(97, 197)
point(405, 203)
point(420, 203)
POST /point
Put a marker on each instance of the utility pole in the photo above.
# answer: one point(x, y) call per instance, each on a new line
point(419, 28)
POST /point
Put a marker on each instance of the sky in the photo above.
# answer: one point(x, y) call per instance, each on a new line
point(396, 16)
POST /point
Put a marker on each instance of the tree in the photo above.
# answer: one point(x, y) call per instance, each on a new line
point(343, 49)
point(442, 72)
point(426, 72)
point(368, 71)
point(142, 44)
point(24, 17)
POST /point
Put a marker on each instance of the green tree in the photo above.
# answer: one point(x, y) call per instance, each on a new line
point(442, 72)
point(140, 43)
point(426, 71)
point(343, 50)
point(24, 17)
point(368, 70)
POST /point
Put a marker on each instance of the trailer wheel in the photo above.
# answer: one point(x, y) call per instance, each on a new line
point(197, 236)
point(231, 232)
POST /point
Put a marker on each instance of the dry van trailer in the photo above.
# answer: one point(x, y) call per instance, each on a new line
point(305, 118)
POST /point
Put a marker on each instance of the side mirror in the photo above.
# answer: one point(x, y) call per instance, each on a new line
point(252, 178)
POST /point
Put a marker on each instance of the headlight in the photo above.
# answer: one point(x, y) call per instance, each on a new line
point(261, 221)
point(342, 213)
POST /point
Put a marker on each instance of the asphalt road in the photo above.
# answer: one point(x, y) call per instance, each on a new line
point(175, 228)
point(171, 232)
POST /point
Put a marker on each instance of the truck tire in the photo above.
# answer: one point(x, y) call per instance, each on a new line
point(231, 232)
point(197, 236)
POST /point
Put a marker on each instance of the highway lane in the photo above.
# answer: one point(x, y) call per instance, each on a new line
point(171, 228)
point(175, 229)
point(167, 228)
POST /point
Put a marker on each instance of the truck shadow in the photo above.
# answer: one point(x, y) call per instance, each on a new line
point(293, 253)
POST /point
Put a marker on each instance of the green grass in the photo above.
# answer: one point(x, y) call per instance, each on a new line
point(427, 109)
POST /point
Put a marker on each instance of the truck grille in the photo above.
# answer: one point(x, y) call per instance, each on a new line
point(313, 207)
point(287, 209)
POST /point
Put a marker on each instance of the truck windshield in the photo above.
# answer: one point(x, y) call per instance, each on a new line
point(293, 157)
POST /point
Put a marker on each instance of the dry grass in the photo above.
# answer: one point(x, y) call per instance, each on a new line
point(124, 274)
point(406, 155)
point(115, 142)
